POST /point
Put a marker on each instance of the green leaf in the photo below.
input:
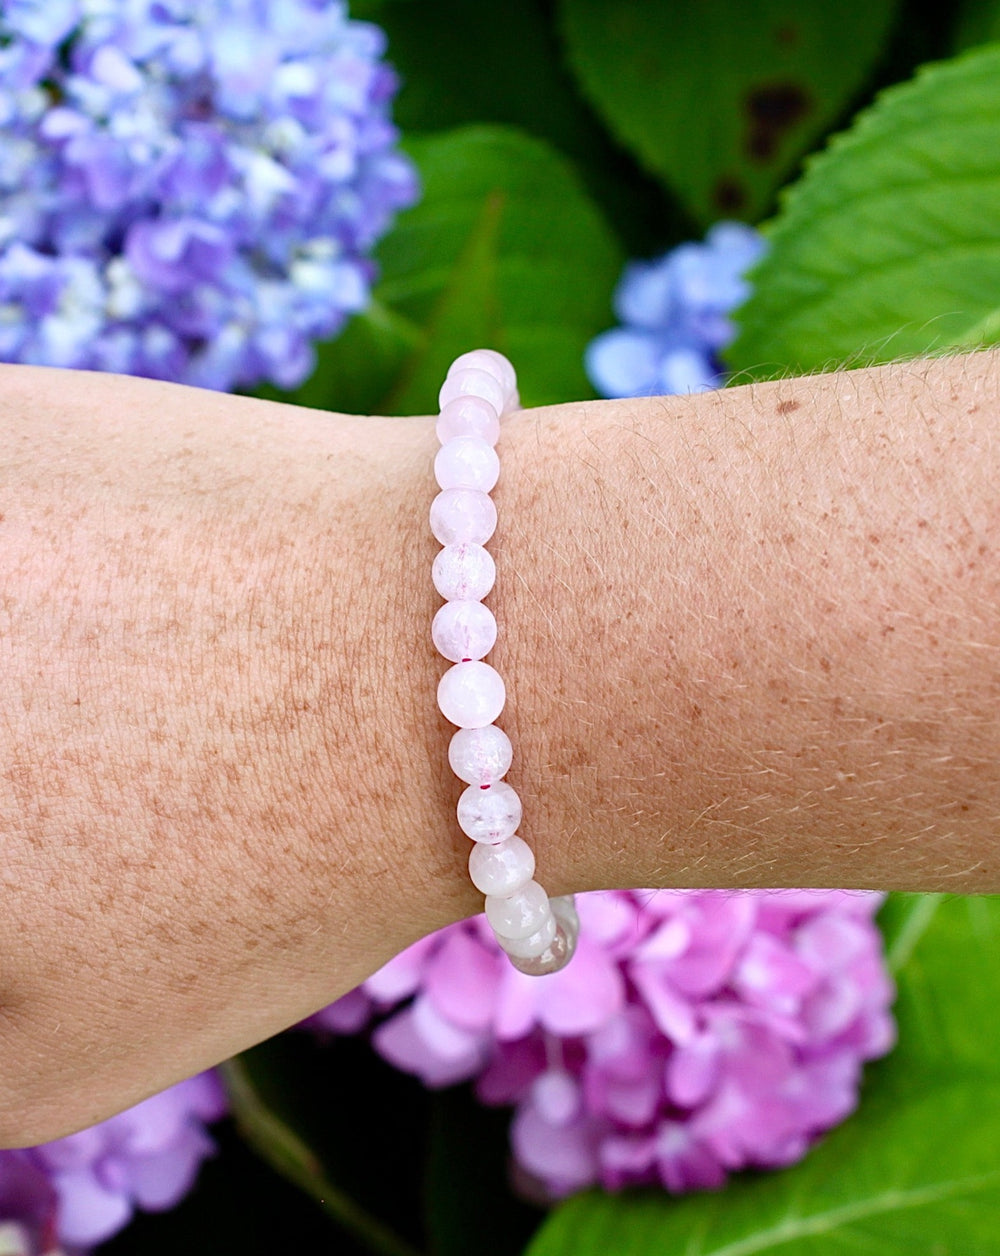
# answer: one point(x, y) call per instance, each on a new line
point(460, 65)
point(949, 986)
point(882, 1186)
point(881, 1182)
point(720, 99)
point(978, 23)
point(465, 312)
point(889, 246)
point(505, 249)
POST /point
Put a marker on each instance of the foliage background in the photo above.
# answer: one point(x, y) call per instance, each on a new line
point(556, 139)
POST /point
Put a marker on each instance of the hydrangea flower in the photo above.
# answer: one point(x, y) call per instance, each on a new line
point(27, 1208)
point(675, 310)
point(17, 1240)
point(694, 1033)
point(189, 188)
point(80, 1190)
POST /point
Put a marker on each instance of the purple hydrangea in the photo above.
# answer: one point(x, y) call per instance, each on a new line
point(694, 1033)
point(17, 1240)
point(27, 1208)
point(189, 188)
point(79, 1190)
point(676, 315)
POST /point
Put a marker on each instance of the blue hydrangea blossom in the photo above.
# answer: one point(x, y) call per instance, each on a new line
point(676, 315)
point(189, 189)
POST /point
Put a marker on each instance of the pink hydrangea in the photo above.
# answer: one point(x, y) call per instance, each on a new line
point(694, 1033)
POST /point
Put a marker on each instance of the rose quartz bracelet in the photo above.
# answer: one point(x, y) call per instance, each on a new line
point(537, 933)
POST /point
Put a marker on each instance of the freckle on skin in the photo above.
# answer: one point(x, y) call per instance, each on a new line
point(788, 407)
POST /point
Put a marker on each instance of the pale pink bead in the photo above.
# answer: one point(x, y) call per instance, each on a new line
point(480, 756)
point(535, 944)
point(564, 907)
point(468, 416)
point(519, 915)
point(472, 382)
point(493, 363)
point(463, 514)
point(471, 695)
point(464, 571)
point(467, 462)
point(555, 956)
point(489, 815)
point(501, 869)
point(464, 630)
point(560, 950)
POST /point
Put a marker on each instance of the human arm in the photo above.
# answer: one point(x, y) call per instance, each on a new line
point(226, 796)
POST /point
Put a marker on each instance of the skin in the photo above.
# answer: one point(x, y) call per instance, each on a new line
point(749, 638)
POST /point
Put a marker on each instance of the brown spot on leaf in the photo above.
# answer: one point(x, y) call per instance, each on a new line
point(729, 195)
point(771, 111)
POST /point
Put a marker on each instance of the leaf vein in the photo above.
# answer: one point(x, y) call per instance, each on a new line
point(824, 1222)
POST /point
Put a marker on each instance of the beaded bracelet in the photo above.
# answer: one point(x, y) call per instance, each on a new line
point(537, 933)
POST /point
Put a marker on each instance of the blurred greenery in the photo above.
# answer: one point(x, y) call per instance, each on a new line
point(556, 138)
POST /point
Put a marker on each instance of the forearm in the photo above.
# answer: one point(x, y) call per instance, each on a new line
point(749, 638)
point(196, 626)
point(752, 637)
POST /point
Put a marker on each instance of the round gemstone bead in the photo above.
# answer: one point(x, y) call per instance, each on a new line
point(522, 950)
point(467, 462)
point(501, 869)
point(464, 630)
point(556, 955)
point(480, 756)
point(561, 948)
point(534, 944)
point(463, 514)
point(518, 915)
point(464, 571)
point(468, 416)
point(471, 695)
point(493, 363)
point(538, 935)
point(472, 381)
point(489, 815)
point(564, 907)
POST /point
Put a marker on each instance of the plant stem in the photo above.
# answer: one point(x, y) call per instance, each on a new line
point(286, 1153)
